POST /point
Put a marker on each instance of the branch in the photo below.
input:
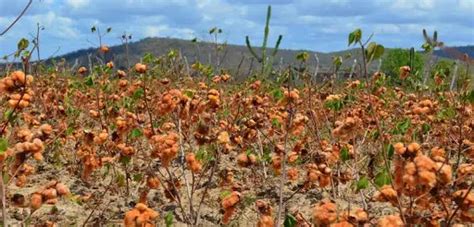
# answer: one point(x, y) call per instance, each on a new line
point(17, 18)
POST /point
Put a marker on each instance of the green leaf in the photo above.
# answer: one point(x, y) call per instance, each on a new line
point(447, 113)
point(425, 128)
point(120, 180)
point(351, 38)
point(469, 97)
point(224, 194)
point(89, 82)
point(277, 94)
point(290, 221)
point(137, 177)
point(362, 183)
point(390, 151)
point(3, 145)
point(303, 56)
point(402, 127)
point(169, 217)
point(23, 44)
point(189, 93)
point(138, 93)
point(93, 29)
point(7, 114)
point(109, 29)
point(276, 123)
point(344, 154)
point(374, 51)
point(355, 36)
point(135, 133)
point(148, 58)
point(382, 178)
point(125, 160)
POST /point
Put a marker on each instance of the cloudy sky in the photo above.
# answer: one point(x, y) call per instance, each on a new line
point(320, 25)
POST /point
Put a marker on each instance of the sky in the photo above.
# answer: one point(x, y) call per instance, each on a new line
point(319, 25)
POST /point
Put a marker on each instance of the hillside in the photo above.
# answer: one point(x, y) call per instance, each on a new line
point(232, 57)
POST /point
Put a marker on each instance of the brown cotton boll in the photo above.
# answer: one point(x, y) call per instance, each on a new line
point(342, 224)
point(153, 182)
point(386, 194)
point(265, 221)
point(242, 159)
point(38, 156)
point(231, 200)
point(390, 221)
point(414, 147)
point(46, 129)
point(325, 213)
point(292, 157)
point(21, 180)
point(427, 178)
point(141, 207)
point(292, 174)
point(50, 193)
point(399, 148)
point(51, 201)
point(140, 68)
point(104, 49)
point(130, 217)
point(18, 76)
point(110, 64)
point(465, 169)
point(423, 162)
point(36, 201)
point(438, 154)
point(62, 189)
point(13, 103)
point(445, 172)
point(23, 104)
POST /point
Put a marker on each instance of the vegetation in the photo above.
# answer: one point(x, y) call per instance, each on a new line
point(169, 142)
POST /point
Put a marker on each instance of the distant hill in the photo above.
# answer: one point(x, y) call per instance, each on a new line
point(232, 57)
point(203, 52)
point(455, 52)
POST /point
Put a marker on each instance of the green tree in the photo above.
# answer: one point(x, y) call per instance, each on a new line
point(397, 58)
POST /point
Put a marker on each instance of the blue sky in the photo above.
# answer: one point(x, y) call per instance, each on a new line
point(320, 25)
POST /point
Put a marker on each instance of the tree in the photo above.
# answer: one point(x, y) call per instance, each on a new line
point(397, 58)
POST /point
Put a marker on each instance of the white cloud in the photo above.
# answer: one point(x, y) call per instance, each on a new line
point(77, 4)
point(165, 30)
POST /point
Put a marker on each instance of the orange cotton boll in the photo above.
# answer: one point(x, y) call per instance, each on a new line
point(82, 70)
point(50, 193)
point(104, 49)
point(265, 221)
point(193, 163)
point(153, 182)
point(414, 147)
point(386, 194)
point(445, 172)
point(243, 160)
point(110, 64)
point(19, 77)
point(390, 221)
point(140, 68)
point(130, 217)
point(228, 204)
point(325, 213)
point(292, 174)
point(399, 148)
point(342, 224)
point(62, 189)
point(404, 72)
point(36, 201)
